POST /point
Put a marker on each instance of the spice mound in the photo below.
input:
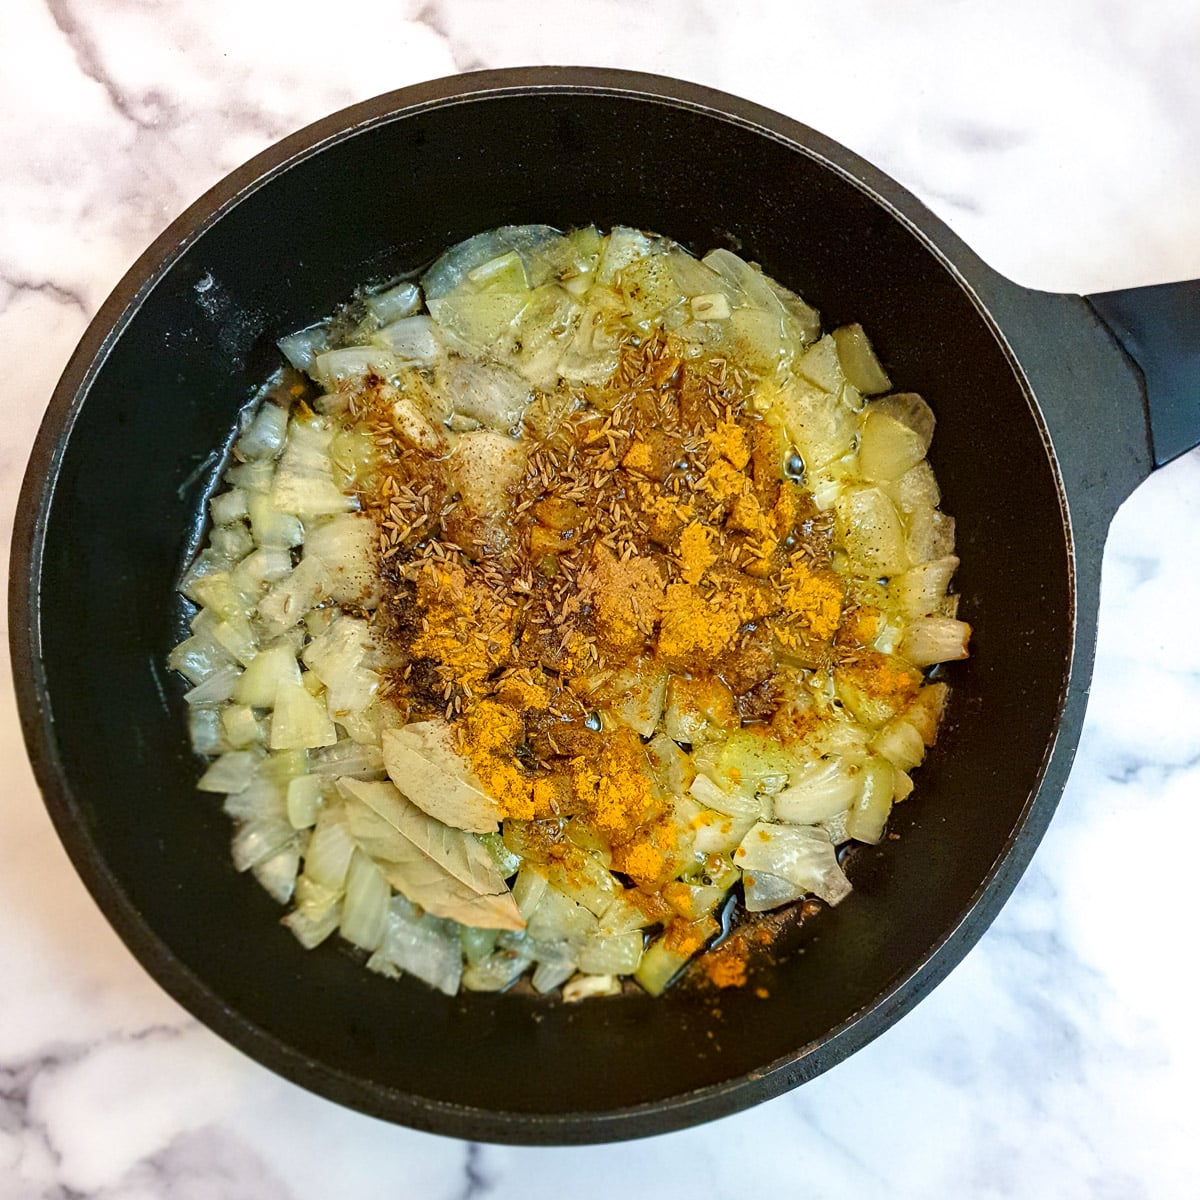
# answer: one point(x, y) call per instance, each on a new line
point(565, 610)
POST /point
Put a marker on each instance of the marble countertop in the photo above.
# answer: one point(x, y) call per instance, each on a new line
point(1061, 141)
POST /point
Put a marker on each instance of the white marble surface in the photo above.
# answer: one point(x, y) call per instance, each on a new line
point(1062, 141)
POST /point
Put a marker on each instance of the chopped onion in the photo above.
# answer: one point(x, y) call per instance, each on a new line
point(301, 721)
point(499, 970)
point(277, 874)
point(304, 800)
point(929, 640)
point(264, 436)
point(232, 772)
point(859, 361)
point(199, 658)
point(400, 301)
point(613, 954)
point(818, 792)
point(422, 946)
point(216, 689)
point(869, 813)
point(256, 841)
point(365, 907)
point(780, 863)
point(411, 340)
point(329, 849)
point(584, 987)
point(270, 669)
point(302, 347)
point(349, 760)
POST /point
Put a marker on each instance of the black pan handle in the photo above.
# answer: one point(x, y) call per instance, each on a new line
point(1159, 327)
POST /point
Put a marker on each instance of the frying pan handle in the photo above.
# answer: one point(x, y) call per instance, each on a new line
point(1159, 328)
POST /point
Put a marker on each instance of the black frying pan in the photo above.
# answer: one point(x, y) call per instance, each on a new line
point(1043, 428)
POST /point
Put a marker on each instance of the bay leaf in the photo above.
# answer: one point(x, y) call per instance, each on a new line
point(422, 762)
point(448, 872)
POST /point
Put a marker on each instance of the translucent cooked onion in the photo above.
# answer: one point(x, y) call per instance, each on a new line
point(340, 731)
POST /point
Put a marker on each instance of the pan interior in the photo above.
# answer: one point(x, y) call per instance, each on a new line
point(386, 200)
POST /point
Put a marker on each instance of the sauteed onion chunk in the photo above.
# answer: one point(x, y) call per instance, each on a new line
point(564, 609)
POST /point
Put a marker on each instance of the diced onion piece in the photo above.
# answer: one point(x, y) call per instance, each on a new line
point(930, 535)
point(587, 881)
point(930, 640)
point(623, 248)
point(716, 833)
point(888, 448)
point(288, 601)
point(477, 944)
point(819, 791)
point(270, 526)
point(302, 347)
point(303, 483)
point(300, 720)
point(228, 506)
point(869, 813)
point(255, 476)
point(335, 658)
point(922, 588)
point(499, 970)
point(557, 917)
point(622, 916)
point(241, 726)
point(256, 841)
point(900, 744)
point(327, 858)
point(872, 532)
point(277, 874)
point(205, 731)
point(780, 863)
point(199, 658)
point(395, 303)
point(488, 392)
point(614, 954)
point(264, 797)
point(453, 267)
point(349, 760)
point(640, 693)
point(925, 712)
point(354, 362)
point(304, 801)
point(916, 488)
point(219, 592)
point(264, 436)
point(216, 689)
point(820, 429)
point(731, 803)
point(859, 361)
point(669, 953)
point(268, 564)
point(749, 285)
point(312, 928)
point(348, 546)
point(232, 772)
point(422, 946)
point(365, 907)
point(909, 409)
point(588, 987)
point(270, 669)
point(237, 637)
point(549, 975)
point(820, 364)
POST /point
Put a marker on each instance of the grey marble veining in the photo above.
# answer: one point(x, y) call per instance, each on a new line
point(1061, 141)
